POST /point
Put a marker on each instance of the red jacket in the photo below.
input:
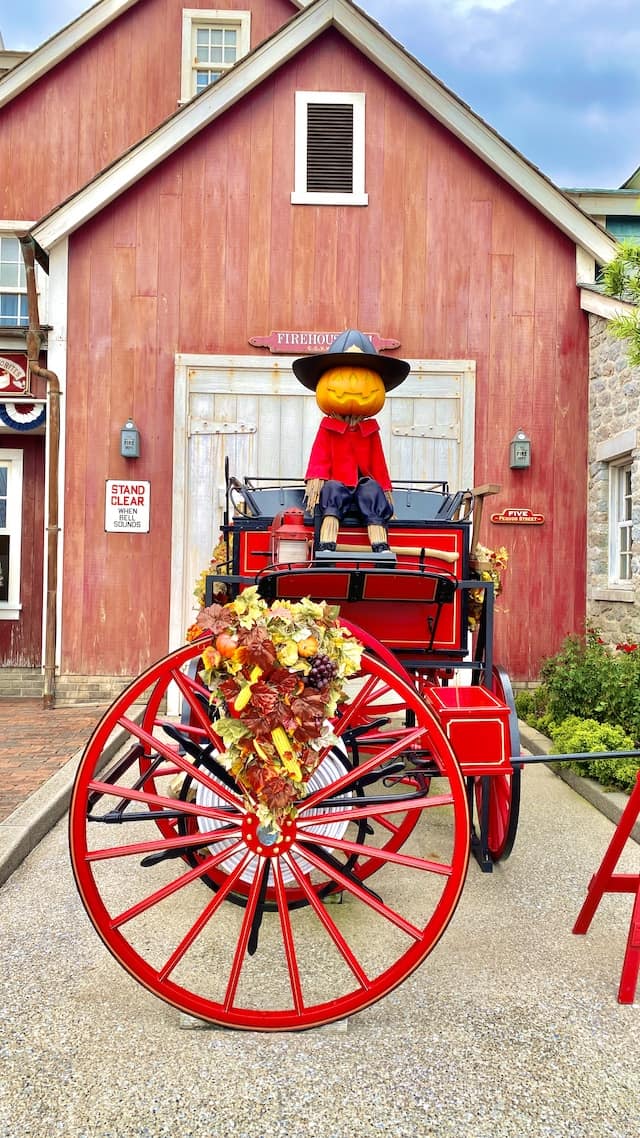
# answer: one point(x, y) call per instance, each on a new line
point(347, 453)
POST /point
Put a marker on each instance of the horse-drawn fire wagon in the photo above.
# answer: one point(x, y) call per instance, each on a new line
point(281, 903)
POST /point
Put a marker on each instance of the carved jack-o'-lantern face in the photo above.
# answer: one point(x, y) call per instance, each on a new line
point(350, 390)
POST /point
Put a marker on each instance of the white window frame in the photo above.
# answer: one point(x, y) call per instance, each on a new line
point(194, 18)
point(11, 229)
point(300, 194)
point(13, 460)
point(620, 522)
point(19, 290)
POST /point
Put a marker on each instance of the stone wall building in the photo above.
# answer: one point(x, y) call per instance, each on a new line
point(613, 514)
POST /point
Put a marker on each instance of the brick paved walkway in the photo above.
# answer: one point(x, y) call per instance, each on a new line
point(35, 743)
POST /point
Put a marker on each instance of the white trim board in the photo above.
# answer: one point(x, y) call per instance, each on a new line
point(59, 46)
point(600, 304)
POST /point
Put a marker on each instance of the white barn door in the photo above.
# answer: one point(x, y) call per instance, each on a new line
point(254, 412)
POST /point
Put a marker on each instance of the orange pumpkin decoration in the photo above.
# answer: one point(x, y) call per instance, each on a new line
point(308, 647)
point(350, 390)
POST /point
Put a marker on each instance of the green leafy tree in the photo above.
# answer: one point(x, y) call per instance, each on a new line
point(622, 279)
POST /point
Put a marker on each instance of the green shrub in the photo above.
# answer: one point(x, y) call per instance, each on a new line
point(575, 735)
point(589, 700)
point(590, 680)
point(532, 706)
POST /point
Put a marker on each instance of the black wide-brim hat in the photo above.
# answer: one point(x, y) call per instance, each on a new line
point(350, 344)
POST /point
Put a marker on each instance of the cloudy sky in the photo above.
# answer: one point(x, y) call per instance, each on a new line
point(559, 79)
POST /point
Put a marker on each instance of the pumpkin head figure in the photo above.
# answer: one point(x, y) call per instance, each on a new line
point(350, 390)
point(347, 469)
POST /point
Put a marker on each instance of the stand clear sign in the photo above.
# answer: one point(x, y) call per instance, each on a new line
point(126, 508)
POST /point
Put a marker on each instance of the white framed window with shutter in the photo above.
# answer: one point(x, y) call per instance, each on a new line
point(329, 148)
point(212, 41)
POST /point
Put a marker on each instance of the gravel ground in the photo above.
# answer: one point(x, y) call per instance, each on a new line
point(510, 1029)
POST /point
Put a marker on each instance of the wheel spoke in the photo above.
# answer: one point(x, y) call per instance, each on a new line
point(128, 792)
point(399, 743)
point(184, 764)
point(359, 701)
point(363, 894)
point(381, 855)
point(174, 886)
point(204, 918)
point(187, 842)
point(240, 953)
point(377, 810)
point(287, 939)
point(330, 925)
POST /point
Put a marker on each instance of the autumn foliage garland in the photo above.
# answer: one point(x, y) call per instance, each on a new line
point(276, 676)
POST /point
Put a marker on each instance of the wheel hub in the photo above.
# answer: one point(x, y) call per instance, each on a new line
point(265, 842)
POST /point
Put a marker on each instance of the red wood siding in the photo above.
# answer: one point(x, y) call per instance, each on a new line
point(20, 640)
point(98, 102)
point(208, 250)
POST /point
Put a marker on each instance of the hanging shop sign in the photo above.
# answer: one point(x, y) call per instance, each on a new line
point(517, 517)
point(17, 413)
point(126, 508)
point(297, 343)
point(13, 374)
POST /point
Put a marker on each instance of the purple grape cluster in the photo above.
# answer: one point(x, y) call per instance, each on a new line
point(322, 672)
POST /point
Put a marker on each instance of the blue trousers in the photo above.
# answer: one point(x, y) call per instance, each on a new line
point(367, 498)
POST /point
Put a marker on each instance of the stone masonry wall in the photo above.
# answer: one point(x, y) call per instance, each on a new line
point(614, 422)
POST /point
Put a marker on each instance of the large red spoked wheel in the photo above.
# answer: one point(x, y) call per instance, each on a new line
point(498, 796)
point(273, 963)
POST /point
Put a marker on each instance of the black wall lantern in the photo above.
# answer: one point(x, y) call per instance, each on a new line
point(130, 440)
point(520, 451)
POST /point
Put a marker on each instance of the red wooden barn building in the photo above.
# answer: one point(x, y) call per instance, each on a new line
point(208, 192)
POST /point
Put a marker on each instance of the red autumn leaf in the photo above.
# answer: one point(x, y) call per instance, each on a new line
point(309, 711)
point(229, 689)
point(259, 648)
point(264, 698)
point(215, 619)
point(278, 793)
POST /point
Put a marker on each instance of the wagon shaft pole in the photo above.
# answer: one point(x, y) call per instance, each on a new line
point(575, 757)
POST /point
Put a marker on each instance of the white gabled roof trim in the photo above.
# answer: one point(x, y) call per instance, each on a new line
point(391, 58)
point(61, 45)
point(602, 305)
point(64, 43)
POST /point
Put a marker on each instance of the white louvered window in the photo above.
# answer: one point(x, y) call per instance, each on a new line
point(329, 148)
point(212, 41)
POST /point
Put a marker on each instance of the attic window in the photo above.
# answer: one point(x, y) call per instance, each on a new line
point(329, 148)
point(212, 41)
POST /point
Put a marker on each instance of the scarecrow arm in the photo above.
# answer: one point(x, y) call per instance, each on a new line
point(312, 488)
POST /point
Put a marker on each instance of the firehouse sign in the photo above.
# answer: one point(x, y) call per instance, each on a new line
point(517, 517)
point(126, 507)
point(297, 343)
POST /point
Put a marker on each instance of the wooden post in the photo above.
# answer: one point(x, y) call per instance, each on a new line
point(479, 493)
point(606, 881)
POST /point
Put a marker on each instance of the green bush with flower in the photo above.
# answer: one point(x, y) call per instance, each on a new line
point(589, 700)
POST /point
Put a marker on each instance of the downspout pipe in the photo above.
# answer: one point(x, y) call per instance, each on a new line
point(35, 337)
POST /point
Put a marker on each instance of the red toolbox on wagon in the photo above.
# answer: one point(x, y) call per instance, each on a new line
point(476, 722)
